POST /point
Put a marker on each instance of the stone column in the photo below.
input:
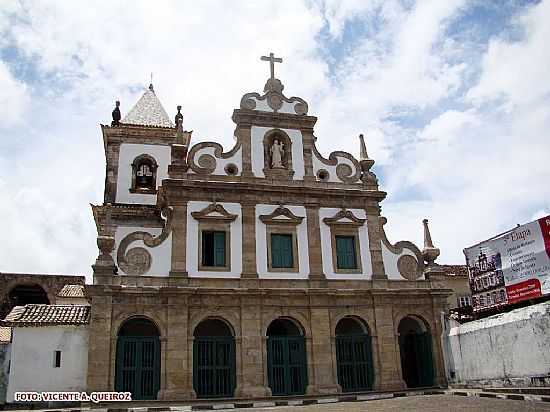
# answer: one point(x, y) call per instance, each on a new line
point(179, 241)
point(375, 241)
point(322, 380)
point(250, 359)
point(175, 351)
point(314, 242)
point(250, 269)
point(99, 346)
point(387, 346)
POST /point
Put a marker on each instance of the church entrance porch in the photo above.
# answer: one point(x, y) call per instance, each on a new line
point(213, 360)
point(354, 356)
point(415, 346)
point(286, 358)
point(138, 359)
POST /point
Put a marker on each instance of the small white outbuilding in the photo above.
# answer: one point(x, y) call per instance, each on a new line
point(49, 348)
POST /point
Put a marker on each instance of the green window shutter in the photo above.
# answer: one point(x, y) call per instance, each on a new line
point(281, 251)
point(345, 252)
point(219, 248)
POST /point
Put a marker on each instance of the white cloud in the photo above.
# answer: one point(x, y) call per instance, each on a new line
point(472, 170)
point(14, 99)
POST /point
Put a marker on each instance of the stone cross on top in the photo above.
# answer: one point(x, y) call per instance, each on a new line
point(272, 60)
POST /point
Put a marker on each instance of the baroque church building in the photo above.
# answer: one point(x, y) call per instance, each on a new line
point(262, 270)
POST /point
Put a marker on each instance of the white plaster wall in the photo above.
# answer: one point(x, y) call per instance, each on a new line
point(326, 246)
point(32, 359)
point(261, 244)
point(390, 262)
point(193, 242)
point(503, 348)
point(257, 141)
point(221, 163)
point(333, 177)
point(161, 256)
point(128, 152)
point(262, 106)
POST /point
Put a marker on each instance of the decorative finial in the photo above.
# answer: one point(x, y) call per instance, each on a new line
point(116, 115)
point(272, 60)
point(363, 152)
point(429, 253)
point(178, 120)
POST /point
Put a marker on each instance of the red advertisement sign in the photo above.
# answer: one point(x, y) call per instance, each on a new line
point(528, 289)
point(545, 229)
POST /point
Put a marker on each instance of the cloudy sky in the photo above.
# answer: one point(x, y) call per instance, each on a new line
point(453, 97)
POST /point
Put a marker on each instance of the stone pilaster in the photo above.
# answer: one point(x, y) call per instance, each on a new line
point(314, 242)
point(175, 352)
point(244, 134)
point(112, 155)
point(439, 305)
point(388, 370)
point(179, 241)
point(375, 242)
point(322, 380)
point(99, 346)
point(308, 141)
point(249, 240)
point(250, 359)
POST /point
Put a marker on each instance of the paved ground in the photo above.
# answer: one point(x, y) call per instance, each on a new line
point(432, 403)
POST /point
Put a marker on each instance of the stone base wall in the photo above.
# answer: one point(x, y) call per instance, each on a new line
point(249, 311)
point(509, 349)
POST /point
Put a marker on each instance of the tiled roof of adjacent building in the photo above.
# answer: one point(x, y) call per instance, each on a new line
point(148, 111)
point(455, 270)
point(5, 335)
point(72, 291)
point(45, 315)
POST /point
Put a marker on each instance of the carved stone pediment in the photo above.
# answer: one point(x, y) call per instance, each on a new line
point(214, 212)
point(344, 218)
point(281, 215)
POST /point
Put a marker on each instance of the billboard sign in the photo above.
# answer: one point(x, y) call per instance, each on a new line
point(510, 267)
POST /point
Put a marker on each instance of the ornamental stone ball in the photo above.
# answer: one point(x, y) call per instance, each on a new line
point(116, 114)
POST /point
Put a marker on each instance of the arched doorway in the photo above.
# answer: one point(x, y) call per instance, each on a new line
point(354, 355)
point(415, 347)
point(286, 358)
point(138, 359)
point(213, 359)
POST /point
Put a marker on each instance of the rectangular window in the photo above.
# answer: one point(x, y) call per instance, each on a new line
point(281, 251)
point(213, 248)
point(345, 252)
point(57, 359)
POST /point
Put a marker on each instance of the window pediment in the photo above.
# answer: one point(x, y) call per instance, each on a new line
point(214, 213)
point(344, 218)
point(281, 215)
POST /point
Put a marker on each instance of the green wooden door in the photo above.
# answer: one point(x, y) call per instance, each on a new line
point(138, 366)
point(424, 359)
point(354, 360)
point(287, 365)
point(214, 367)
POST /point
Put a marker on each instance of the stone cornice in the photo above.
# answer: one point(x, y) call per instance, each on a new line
point(292, 192)
point(138, 134)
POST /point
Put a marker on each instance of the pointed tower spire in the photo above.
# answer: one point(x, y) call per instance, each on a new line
point(429, 253)
point(363, 151)
point(148, 111)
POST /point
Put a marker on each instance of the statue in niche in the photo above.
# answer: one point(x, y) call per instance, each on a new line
point(277, 154)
